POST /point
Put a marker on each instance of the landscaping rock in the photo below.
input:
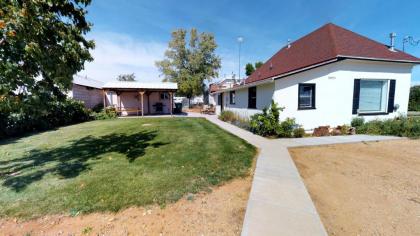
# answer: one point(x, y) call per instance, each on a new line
point(336, 131)
point(190, 197)
point(322, 131)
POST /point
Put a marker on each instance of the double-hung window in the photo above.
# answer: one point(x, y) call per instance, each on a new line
point(306, 96)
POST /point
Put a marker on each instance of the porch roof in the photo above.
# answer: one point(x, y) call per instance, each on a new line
point(139, 85)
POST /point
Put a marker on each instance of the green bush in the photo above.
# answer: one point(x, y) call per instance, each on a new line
point(267, 122)
point(414, 101)
point(227, 116)
point(104, 114)
point(286, 127)
point(299, 132)
point(357, 122)
point(400, 126)
point(22, 115)
point(98, 107)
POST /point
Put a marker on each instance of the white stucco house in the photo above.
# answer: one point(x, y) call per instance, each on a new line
point(326, 78)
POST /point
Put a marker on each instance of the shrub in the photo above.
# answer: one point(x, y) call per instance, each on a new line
point(299, 132)
point(104, 114)
point(286, 127)
point(267, 122)
point(414, 101)
point(227, 116)
point(399, 126)
point(357, 122)
point(25, 115)
point(98, 107)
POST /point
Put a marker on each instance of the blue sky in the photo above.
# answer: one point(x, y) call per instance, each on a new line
point(131, 35)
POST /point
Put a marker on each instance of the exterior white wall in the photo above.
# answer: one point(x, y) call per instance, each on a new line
point(334, 91)
point(264, 95)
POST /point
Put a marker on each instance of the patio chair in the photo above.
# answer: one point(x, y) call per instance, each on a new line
point(205, 109)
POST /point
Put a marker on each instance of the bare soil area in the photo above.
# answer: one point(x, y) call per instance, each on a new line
point(220, 212)
point(370, 188)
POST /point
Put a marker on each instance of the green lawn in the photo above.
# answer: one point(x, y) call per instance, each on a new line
point(112, 164)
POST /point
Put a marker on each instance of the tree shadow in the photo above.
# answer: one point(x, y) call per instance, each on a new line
point(71, 160)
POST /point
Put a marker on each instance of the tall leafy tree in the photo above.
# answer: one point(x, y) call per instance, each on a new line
point(414, 101)
point(127, 77)
point(258, 64)
point(42, 46)
point(190, 64)
point(249, 69)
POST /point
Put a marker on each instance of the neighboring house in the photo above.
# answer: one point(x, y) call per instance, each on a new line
point(129, 98)
point(326, 78)
point(226, 83)
point(87, 90)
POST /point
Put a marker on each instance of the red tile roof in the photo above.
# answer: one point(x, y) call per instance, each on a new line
point(214, 87)
point(324, 44)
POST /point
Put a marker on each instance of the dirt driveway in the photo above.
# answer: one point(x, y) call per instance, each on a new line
point(370, 188)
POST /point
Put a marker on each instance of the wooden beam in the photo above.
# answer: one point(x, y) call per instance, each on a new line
point(171, 101)
point(148, 103)
point(142, 110)
point(104, 96)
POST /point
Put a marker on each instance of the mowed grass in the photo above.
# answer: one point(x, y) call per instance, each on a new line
point(113, 164)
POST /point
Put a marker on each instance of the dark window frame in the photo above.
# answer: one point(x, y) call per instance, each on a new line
point(313, 105)
point(232, 98)
point(390, 98)
point(252, 101)
point(164, 96)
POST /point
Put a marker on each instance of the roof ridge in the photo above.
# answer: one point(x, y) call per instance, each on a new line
point(333, 37)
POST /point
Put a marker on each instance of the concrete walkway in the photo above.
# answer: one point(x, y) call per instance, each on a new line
point(279, 203)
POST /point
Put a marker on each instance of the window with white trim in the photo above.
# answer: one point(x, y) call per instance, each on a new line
point(373, 96)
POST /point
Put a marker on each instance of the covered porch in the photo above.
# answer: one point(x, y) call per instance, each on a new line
point(134, 98)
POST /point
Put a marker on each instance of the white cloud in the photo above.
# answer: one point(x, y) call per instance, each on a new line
point(117, 54)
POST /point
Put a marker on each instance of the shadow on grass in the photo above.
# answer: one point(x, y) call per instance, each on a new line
point(70, 160)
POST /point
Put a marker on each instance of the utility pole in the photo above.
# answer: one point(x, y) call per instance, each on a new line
point(240, 40)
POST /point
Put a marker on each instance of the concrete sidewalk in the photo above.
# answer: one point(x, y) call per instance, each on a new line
point(279, 203)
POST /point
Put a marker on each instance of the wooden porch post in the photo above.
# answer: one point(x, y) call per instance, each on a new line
point(171, 101)
point(104, 96)
point(142, 107)
point(148, 102)
point(119, 102)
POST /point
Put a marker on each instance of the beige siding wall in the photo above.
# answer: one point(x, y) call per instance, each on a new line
point(132, 100)
point(90, 96)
